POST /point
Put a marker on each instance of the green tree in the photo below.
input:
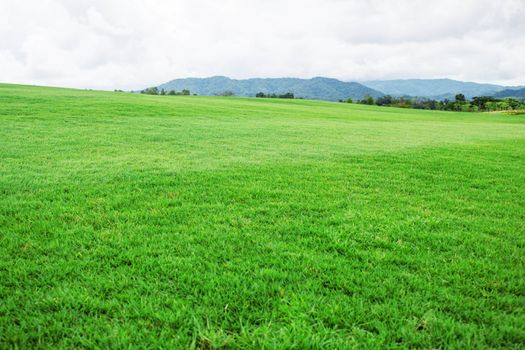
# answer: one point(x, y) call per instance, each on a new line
point(369, 100)
point(460, 98)
point(150, 91)
point(384, 100)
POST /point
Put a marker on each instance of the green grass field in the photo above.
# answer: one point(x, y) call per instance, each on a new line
point(132, 221)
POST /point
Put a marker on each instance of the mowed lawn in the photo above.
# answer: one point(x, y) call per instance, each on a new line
point(132, 221)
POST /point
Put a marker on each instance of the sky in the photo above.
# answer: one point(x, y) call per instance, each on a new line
point(132, 44)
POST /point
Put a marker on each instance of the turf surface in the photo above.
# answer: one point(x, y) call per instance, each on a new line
point(131, 221)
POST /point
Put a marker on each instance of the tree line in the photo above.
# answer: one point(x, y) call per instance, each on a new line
point(263, 95)
point(459, 104)
point(184, 92)
point(162, 92)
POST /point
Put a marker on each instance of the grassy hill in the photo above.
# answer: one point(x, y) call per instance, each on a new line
point(133, 221)
point(315, 89)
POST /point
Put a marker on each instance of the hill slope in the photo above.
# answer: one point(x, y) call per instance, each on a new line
point(433, 88)
point(134, 221)
point(517, 93)
point(315, 89)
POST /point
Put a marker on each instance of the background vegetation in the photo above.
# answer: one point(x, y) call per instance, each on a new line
point(460, 103)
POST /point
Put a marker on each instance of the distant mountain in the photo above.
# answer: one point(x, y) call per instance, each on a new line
point(433, 88)
point(517, 93)
point(315, 89)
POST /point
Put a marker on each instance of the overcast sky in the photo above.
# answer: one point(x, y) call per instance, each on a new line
point(130, 44)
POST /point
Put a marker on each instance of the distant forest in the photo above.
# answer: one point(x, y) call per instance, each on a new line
point(263, 95)
point(459, 104)
point(186, 92)
point(157, 91)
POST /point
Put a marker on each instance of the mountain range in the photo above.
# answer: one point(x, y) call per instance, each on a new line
point(433, 88)
point(312, 89)
point(516, 93)
point(329, 89)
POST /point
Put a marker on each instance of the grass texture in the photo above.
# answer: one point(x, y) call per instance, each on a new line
point(131, 221)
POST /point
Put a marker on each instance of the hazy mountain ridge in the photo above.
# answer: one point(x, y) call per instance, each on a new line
point(517, 93)
point(318, 88)
point(434, 88)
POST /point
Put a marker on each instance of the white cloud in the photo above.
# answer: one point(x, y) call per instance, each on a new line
point(130, 44)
